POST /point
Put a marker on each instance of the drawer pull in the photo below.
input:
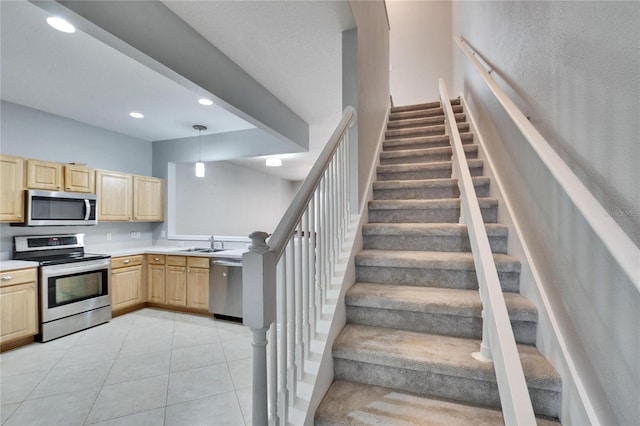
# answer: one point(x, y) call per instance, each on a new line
point(156, 259)
point(7, 277)
point(126, 261)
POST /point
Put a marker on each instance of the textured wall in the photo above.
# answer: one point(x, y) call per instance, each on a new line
point(573, 67)
point(420, 49)
point(373, 81)
point(230, 200)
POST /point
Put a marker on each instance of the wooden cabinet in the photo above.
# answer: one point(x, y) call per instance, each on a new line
point(198, 283)
point(11, 189)
point(78, 178)
point(126, 282)
point(155, 278)
point(18, 304)
point(148, 199)
point(115, 195)
point(176, 281)
point(44, 175)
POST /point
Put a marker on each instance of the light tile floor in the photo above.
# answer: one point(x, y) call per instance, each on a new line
point(150, 367)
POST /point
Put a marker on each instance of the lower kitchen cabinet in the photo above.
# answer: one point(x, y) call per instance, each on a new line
point(126, 282)
point(18, 304)
point(198, 283)
point(155, 279)
point(176, 281)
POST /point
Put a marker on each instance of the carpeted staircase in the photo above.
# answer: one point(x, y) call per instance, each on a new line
point(414, 313)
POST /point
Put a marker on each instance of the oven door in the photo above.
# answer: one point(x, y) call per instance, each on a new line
point(71, 288)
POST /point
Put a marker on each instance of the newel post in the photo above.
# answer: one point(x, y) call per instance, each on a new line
point(258, 312)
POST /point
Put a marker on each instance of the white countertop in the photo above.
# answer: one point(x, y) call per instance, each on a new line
point(12, 265)
point(172, 250)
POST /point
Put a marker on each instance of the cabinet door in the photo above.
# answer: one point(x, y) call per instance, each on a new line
point(79, 179)
point(176, 285)
point(126, 287)
point(198, 288)
point(115, 196)
point(44, 175)
point(148, 199)
point(11, 189)
point(155, 279)
point(18, 311)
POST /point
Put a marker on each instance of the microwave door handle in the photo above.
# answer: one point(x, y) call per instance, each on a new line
point(87, 209)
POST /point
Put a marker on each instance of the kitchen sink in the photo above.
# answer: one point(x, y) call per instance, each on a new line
point(201, 250)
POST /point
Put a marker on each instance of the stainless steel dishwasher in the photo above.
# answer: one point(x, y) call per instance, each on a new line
point(225, 287)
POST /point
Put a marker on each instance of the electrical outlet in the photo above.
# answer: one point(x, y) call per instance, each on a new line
point(133, 235)
point(108, 236)
point(138, 235)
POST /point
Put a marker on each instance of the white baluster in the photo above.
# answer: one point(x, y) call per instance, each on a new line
point(291, 317)
point(283, 394)
point(272, 374)
point(312, 264)
point(306, 283)
point(298, 302)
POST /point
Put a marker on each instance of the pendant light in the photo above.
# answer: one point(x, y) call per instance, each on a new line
point(199, 164)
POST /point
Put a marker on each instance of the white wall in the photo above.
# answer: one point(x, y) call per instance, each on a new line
point(420, 49)
point(573, 68)
point(230, 200)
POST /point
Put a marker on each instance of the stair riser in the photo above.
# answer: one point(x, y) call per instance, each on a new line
point(423, 158)
point(450, 325)
point(429, 277)
point(452, 243)
point(438, 385)
point(424, 106)
point(422, 131)
point(421, 122)
point(402, 144)
point(407, 115)
point(447, 215)
point(424, 174)
point(425, 193)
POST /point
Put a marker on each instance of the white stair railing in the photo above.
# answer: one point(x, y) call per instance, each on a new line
point(617, 242)
point(498, 342)
point(285, 281)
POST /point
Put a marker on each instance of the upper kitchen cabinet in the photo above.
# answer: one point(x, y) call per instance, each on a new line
point(44, 175)
point(115, 196)
point(148, 199)
point(79, 178)
point(11, 189)
point(125, 197)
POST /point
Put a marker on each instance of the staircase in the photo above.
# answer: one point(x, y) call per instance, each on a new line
point(414, 313)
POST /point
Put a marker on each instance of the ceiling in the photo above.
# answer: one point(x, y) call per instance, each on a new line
point(292, 48)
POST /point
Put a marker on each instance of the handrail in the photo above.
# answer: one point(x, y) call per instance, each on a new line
point(287, 225)
point(498, 341)
point(617, 242)
point(286, 281)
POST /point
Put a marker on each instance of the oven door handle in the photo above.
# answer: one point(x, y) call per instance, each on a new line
point(57, 270)
point(87, 209)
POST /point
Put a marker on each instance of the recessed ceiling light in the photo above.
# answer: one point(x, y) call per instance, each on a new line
point(273, 162)
point(136, 115)
point(60, 24)
point(205, 101)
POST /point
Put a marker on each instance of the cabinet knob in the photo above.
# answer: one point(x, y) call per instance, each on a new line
point(7, 277)
point(162, 269)
point(156, 259)
point(127, 261)
point(33, 286)
point(19, 216)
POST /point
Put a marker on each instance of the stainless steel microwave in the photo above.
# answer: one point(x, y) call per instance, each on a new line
point(49, 208)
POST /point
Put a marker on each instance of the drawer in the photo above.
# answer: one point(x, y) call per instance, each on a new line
point(155, 259)
point(18, 276)
point(121, 262)
point(198, 262)
point(176, 260)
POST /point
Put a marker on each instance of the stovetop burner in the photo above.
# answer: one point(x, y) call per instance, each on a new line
point(53, 249)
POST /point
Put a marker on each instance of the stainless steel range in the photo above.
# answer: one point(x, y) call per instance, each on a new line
point(74, 285)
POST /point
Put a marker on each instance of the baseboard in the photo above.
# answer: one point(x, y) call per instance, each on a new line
point(17, 343)
point(573, 411)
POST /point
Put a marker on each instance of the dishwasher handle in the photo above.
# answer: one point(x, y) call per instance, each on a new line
point(237, 263)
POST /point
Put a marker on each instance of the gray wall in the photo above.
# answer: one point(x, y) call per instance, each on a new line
point(573, 67)
point(373, 81)
point(230, 200)
point(31, 133)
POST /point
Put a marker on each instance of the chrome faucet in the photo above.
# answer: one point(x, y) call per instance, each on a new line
point(213, 243)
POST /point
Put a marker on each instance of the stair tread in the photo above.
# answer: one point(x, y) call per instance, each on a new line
point(434, 165)
point(421, 121)
point(351, 403)
point(422, 113)
point(424, 151)
point(430, 229)
point(424, 105)
point(485, 202)
point(431, 128)
point(436, 353)
point(431, 259)
point(412, 140)
point(433, 300)
point(426, 183)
